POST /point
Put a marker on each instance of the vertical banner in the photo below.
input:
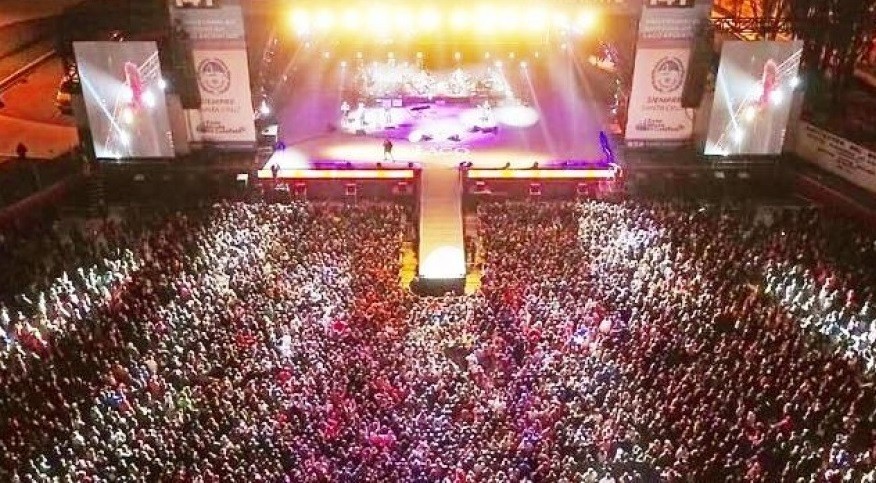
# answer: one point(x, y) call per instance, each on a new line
point(226, 114)
point(216, 33)
point(666, 32)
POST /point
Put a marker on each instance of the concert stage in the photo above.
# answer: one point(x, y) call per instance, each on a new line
point(532, 113)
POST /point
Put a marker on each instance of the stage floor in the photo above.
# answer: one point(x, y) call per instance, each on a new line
point(548, 120)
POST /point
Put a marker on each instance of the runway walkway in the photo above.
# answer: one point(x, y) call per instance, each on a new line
point(442, 243)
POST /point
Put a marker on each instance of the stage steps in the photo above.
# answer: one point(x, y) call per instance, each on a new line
point(408, 268)
point(474, 254)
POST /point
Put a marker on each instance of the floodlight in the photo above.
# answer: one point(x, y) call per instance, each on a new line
point(149, 99)
point(586, 20)
point(324, 20)
point(300, 21)
point(776, 97)
point(459, 19)
point(350, 19)
point(430, 19)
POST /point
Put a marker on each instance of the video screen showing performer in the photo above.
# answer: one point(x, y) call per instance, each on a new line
point(124, 99)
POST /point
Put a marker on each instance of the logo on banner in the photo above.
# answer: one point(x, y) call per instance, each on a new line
point(668, 74)
point(214, 76)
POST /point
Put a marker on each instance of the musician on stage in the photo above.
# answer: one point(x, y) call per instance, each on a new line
point(387, 150)
point(345, 111)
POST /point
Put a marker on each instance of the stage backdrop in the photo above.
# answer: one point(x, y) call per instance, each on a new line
point(666, 32)
point(218, 44)
point(756, 84)
point(840, 156)
point(124, 99)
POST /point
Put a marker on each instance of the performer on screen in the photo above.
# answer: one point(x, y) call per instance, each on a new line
point(387, 150)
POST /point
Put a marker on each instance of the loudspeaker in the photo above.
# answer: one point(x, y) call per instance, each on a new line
point(699, 68)
point(181, 74)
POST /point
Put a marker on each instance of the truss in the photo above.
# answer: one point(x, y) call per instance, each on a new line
point(754, 26)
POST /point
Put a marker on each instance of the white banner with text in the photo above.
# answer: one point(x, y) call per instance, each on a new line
point(226, 114)
point(837, 155)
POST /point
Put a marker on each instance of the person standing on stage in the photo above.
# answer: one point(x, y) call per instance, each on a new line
point(387, 150)
point(345, 111)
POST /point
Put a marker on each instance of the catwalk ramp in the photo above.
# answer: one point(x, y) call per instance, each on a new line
point(442, 244)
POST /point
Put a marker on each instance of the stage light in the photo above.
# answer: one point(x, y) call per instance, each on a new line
point(587, 19)
point(380, 22)
point(776, 97)
point(524, 65)
point(458, 19)
point(359, 55)
point(324, 20)
point(343, 64)
point(419, 55)
point(128, 116)
point(445, 262)
point(404, 20)
point(264, 108)
point(326, 55)
point(508, 19)
point(430, 19)
point(149, 99)
point(486, 55)
point(162, 84)
point(561, 21)
point(738, 135)
point(498, 64)
point(127, 93)
point(457, 56)
point(485, 21)
point(299, 20)
point(125, 138)
point(750, 113)
point(511, 55)
point(537, 19)
point(350, 19)
point(795, 82)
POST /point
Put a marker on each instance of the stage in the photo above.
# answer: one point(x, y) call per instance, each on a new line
point(539, 113)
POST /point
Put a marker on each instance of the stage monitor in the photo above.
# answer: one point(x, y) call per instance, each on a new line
point(124, 99)
point(755, 87)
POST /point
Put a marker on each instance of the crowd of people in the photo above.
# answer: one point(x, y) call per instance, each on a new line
point(609, 342)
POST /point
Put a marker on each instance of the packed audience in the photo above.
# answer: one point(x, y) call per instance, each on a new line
point(609, 342)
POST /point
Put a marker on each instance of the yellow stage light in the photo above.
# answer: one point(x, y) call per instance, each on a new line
point(537, 19)
point(459, 19)
point(324, 20)
point(509, 20)
point(587, 20)
point(380, 22)
point(299, 20)
point(403, 20)
point(350, 19)
point(561, 20)
point(430, 20)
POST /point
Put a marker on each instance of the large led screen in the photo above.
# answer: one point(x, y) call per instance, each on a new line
point(124, 99)
point(753, 96)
